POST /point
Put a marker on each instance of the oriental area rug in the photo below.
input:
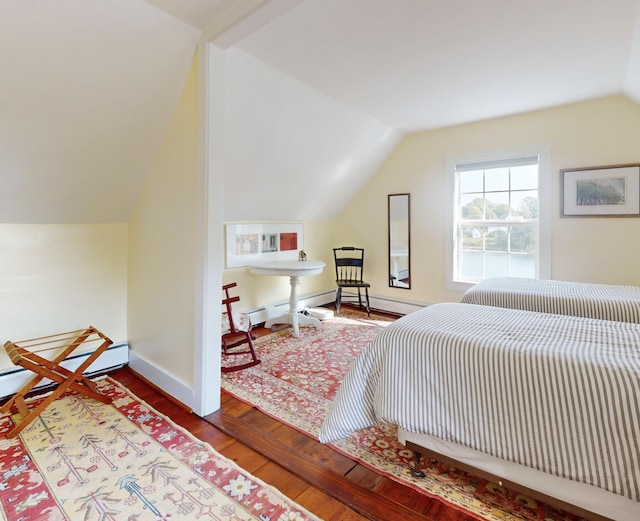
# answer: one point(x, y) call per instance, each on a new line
point(84, 460)
point(296, 382)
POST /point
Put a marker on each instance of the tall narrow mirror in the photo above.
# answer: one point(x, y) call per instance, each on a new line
point(399, 241)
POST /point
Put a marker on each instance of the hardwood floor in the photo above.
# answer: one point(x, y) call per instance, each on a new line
point(326, 483)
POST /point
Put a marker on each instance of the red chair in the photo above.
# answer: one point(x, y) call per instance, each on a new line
point(236, 331)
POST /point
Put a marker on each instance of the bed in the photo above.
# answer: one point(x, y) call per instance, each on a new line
point(580, 299)
point(509, 393)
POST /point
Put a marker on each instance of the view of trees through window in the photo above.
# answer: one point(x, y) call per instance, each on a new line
point(497, 221)
point(516, 237)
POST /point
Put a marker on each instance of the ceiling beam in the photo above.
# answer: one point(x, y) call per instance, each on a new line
point(244, 18)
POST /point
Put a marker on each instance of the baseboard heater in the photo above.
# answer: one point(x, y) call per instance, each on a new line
point(385, 304)
point(13, 379)
point(259, 315)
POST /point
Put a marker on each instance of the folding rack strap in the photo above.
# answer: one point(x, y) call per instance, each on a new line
point(25, 354)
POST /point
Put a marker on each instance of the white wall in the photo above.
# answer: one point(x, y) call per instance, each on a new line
point(162, 257)
point(603, 250)
point(88, 89)
point(257, 291)
point(58, 278)
point(292, 153)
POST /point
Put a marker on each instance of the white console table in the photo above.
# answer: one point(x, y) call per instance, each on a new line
point(293, 270)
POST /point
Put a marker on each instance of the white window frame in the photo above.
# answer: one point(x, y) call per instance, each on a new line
point(543, 253)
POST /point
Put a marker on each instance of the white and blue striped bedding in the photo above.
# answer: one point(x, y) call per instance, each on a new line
point(580, 299)
point(556, 393)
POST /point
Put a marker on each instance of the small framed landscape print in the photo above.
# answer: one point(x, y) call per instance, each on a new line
point(603, 191)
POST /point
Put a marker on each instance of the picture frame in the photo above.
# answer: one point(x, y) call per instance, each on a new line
point(601, 191)
point(251, 243)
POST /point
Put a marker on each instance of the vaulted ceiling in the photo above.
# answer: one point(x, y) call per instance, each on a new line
point(88, 88)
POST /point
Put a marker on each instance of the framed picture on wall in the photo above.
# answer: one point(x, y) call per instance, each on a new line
point(603, 191)
point(248, 243)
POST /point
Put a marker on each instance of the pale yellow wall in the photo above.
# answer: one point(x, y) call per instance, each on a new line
point(603, 250)
point(162, 248)
point(57, 278)
point(257, 291)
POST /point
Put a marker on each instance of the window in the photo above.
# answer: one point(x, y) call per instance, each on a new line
point(496, 219)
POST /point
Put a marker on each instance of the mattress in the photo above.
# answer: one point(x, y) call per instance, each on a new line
point(580, 299)
point(556, 393)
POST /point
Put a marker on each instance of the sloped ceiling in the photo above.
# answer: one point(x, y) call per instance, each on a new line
point(291, 152)
point(88, 89)
point(418, 65)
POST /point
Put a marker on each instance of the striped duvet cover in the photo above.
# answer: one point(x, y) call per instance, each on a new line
point(556, 393)
point(579, 299)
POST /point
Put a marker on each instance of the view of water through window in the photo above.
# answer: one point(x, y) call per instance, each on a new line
point(477, 265)
point(497, 216)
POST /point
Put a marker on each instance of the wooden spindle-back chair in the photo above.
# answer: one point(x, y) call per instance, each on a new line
point(349, 262)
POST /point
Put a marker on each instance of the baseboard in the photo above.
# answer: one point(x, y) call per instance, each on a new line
point(396, 307)
point(14, 379)
point(385, 304)
point(159, 377)
point(259, 315)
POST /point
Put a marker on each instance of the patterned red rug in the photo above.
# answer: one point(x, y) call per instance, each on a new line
point(82, 459)
point(296, 382)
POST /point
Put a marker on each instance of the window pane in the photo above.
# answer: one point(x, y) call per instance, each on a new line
point(524, 204)
point(522, 266)
point(471, 265)
point(496, 179)
point(496, 265)
point(471, 181)
point(472, 206)
point(523, 239)
point(497, 238)
point(472, 237)
point(497, 205)
point(524, 177)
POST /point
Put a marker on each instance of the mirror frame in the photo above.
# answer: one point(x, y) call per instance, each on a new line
point(389, 202)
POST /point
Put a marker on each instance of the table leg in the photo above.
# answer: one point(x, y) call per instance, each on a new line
point(293, 305)
point(293, 317)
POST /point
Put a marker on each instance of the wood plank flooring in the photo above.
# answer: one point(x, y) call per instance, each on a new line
point(326, 483)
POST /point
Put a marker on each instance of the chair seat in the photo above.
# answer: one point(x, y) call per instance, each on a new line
point(353, 283)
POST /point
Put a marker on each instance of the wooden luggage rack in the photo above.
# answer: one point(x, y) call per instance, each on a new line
point(26, 353)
